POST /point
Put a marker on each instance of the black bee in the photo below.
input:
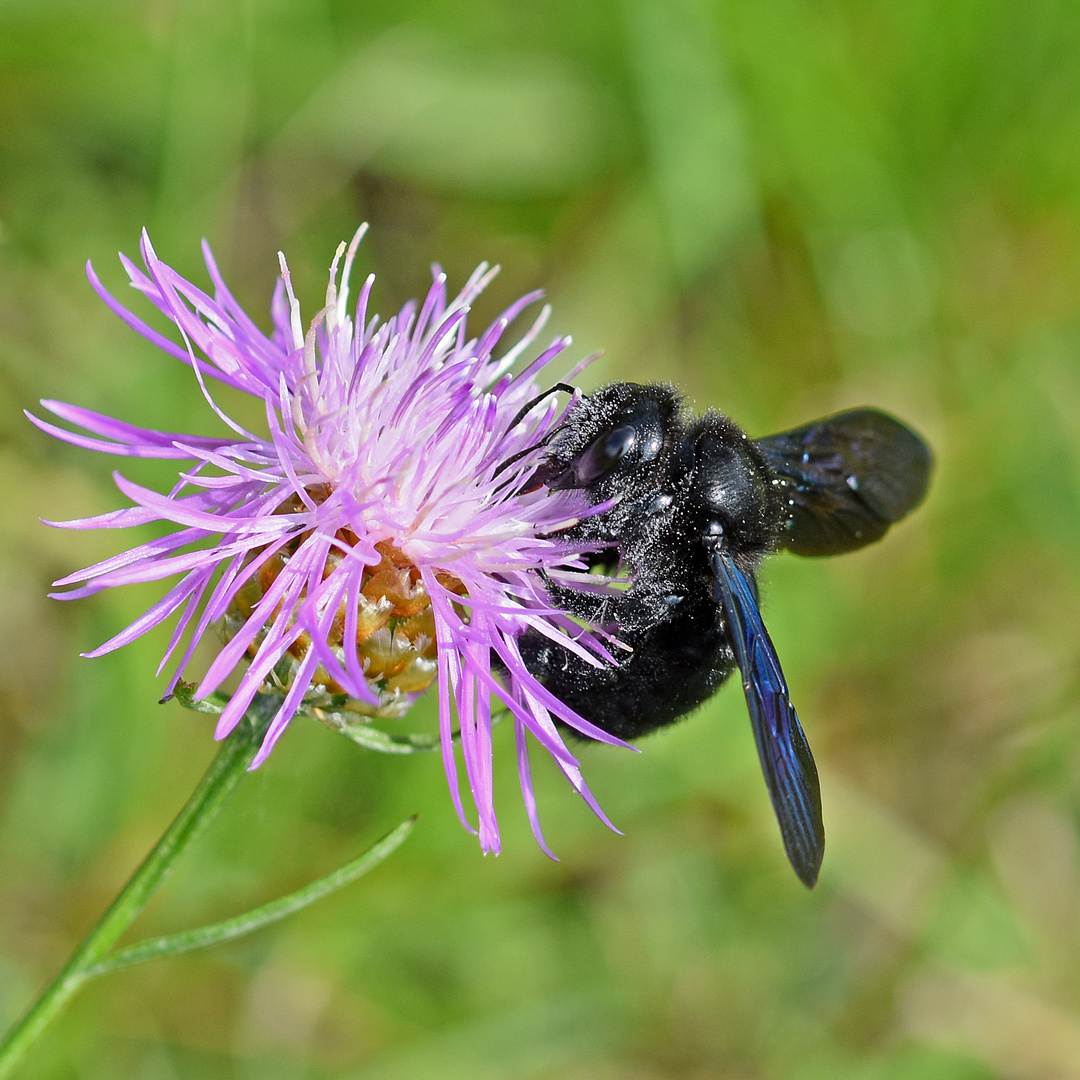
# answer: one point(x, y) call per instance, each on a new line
point(696, 505)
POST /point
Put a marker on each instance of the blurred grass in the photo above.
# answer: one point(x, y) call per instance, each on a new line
point(787, 208)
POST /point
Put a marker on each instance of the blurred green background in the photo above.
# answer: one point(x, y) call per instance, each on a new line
point(787, 207)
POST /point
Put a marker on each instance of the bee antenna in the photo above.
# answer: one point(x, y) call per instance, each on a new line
point(524, 411)
point(518, 456)
point(528, 408)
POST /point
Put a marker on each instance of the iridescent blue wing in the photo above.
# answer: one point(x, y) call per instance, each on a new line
point(847, 478)
point(785, 755)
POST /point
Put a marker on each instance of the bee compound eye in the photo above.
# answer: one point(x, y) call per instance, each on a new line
point(602, 454)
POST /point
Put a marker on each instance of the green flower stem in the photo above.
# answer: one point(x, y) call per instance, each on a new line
point(221, 779)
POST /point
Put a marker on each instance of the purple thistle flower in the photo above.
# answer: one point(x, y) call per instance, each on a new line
point(379, 535)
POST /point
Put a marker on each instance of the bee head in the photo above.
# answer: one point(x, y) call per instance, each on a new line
point(614, 442)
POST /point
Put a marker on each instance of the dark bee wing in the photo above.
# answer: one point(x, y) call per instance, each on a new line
point(848, 477)
point(785, 755)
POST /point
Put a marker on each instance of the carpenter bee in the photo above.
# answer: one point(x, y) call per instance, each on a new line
point(689, 507)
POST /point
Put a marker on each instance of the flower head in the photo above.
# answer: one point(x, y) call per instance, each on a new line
point(382, 533)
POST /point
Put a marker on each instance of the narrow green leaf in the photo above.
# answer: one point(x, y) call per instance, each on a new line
point(257, 918)
point(371, 738)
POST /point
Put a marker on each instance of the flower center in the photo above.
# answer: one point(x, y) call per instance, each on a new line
point(394, 625)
